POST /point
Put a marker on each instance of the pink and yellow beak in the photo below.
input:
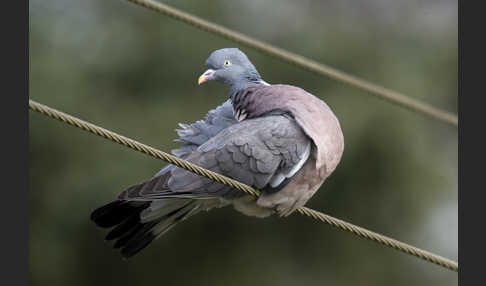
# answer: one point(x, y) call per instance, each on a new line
point(205, 76)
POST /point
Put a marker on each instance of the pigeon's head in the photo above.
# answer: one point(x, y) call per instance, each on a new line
point(230, 66)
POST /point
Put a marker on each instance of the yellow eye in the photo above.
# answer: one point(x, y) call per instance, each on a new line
point(227, 63)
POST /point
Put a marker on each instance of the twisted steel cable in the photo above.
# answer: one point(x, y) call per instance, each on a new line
point(302, 62)
point(112, 136)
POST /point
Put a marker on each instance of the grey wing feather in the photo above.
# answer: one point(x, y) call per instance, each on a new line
point(195, 134)
point(239, 151)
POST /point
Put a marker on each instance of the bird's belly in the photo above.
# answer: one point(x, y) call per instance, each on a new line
point(294, 195)
point(247, 205)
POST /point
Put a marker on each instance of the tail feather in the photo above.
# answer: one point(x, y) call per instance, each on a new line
point(141, 240)
point(135, 247)
point(115, 212)
point(129, 223)
point(133, 234)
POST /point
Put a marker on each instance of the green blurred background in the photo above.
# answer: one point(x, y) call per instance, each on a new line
point(134, 71)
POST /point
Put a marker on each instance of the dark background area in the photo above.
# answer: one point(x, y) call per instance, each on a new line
point(134, 71)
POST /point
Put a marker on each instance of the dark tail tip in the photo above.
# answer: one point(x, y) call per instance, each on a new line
point(130, 233)
point(124, 216)
point(111, 214)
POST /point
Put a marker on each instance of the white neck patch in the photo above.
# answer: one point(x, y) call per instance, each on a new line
point(264, 82)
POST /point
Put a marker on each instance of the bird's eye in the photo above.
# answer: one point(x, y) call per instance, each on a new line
point(227, 63)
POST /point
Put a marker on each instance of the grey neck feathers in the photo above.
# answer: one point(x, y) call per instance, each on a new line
point(243, 83)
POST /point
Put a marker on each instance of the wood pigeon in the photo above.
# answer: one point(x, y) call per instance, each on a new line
point(277, 138)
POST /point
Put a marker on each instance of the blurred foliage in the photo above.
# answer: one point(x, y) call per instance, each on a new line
point(134, 71)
